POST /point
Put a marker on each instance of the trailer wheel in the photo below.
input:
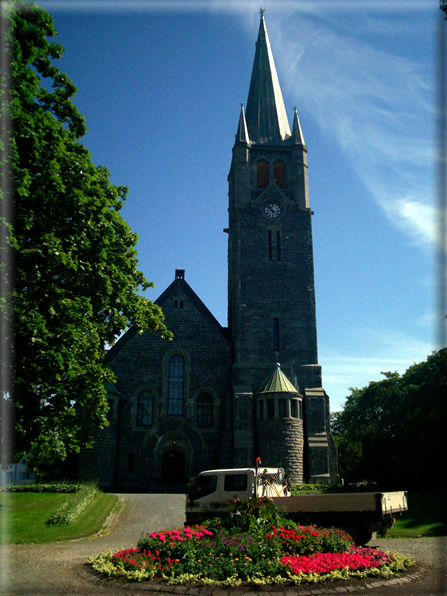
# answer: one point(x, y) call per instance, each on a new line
point(361, 536)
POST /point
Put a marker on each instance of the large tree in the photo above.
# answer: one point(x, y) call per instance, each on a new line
point(69, 251)
point(393, 431)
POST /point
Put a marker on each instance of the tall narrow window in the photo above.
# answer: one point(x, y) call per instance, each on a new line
point(270, 246)
point(278, 246)
point(263, 174)
point(276, 334)
point(205, 410)
point(279, 171)
point(294, 408)
point(282, 411)
point(175, 386)
point(145, 408)
point(110, 403)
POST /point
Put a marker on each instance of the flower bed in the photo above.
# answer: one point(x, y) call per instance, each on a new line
point(248, 548)
point(322, 563)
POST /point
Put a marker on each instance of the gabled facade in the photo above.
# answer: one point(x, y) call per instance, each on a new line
point(214, 396)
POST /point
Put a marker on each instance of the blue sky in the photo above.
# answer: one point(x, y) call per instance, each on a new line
point(160, 85)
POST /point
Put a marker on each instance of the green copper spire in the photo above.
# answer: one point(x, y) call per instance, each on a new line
point(277, 382)
point(265, 115)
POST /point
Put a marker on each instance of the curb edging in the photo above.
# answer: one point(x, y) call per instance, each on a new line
point(193, 590)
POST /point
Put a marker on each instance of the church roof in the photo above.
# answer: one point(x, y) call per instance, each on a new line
point(179, 283)
point(277, 382)
point(266, 114)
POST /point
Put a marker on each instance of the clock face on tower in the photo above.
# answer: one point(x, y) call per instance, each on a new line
point(272, 210)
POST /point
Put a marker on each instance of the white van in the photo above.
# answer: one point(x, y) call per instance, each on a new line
point(211, 490)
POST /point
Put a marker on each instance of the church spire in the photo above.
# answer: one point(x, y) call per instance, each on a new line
point(266, 115)
point(242, 131)
point(297, 133)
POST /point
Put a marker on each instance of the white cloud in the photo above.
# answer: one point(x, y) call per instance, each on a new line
point(378, 108)
point(415, 218)
point(378, 350)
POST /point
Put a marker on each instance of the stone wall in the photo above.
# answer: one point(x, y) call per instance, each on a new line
point(141, 364)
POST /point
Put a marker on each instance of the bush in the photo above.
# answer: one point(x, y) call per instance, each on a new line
point(251, 514)
point(312, 488)
point(67, 513)
point(49, 487)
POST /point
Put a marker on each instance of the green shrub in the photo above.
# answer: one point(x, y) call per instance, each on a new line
point(251, 515)
point(48, 487)
point(67, 513)
point(311, 488)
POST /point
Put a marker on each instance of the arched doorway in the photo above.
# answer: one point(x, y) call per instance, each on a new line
point(173, 468)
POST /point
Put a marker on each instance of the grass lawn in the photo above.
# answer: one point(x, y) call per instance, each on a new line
point(23, 517)
point(426, 516)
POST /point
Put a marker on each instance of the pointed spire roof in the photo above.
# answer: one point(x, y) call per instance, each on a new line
point(242, 130)
point(277, 382)
point(266, 115)
point(297, 133)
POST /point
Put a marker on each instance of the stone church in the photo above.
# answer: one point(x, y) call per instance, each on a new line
point(219, 397)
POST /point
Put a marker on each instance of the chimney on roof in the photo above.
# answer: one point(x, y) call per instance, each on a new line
point(179, 274)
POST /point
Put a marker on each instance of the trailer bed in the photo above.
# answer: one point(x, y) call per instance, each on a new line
point(380, 503)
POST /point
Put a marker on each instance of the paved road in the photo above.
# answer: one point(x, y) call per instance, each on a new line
point(54, 569)
point(41, 570)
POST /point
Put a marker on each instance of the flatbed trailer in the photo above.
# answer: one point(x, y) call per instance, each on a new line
point(360, 513)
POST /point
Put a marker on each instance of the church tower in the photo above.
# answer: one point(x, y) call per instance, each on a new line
point(271, 289)
point(215, 397)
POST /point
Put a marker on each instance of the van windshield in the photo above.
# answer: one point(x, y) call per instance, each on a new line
point(202, 486)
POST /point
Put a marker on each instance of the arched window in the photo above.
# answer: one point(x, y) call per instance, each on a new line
point(145, 408)
point(279, 171)
point(205, 410)
point(175, 385)
point(263, 174)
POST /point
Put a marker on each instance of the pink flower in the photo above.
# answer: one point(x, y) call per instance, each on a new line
point(326, 562)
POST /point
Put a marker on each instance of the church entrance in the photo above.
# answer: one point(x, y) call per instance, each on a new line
point(173, 468)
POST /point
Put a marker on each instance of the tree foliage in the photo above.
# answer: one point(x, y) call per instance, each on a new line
point(77, 284)
point(393, 431)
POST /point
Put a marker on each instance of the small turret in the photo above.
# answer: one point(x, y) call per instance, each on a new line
point(280, 424)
